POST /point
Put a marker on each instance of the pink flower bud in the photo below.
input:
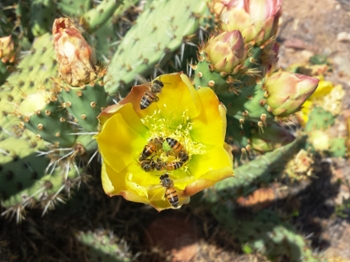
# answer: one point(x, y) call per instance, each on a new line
point(75, 57)
point(226, 51)
point(286, 92)
point(256, 19)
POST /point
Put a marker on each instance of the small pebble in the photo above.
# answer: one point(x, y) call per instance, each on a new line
point(343, 37)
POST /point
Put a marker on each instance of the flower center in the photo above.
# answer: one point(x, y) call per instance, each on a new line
point(177, 128)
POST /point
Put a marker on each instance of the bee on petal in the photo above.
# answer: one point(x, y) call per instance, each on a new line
point(170, 191)
point(177, 149)
point(152, 146)
point(151, 96)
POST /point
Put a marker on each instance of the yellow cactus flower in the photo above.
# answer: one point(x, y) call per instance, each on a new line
point(195, 119)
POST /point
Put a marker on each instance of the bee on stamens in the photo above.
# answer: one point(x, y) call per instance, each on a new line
point(178, 150)
point(170, 192)
point(147, 165)
point(173, 165)
point(152, 146)
point(150, 96)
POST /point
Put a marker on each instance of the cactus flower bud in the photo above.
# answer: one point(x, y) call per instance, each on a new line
point(256, 19)
point(75, 57)
point(7, 49)
point(226, 51)
point(286, 92)
point(265, 14)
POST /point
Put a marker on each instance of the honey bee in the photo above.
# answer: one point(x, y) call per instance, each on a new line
point(170, 191)
point(152, 146)
point(159, 165)
point(173, 165)
point(151, 96)
point(147, 165)
point(178, 150)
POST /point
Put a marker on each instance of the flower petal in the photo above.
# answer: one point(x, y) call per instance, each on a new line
point(215, 158)
point(108, 112)
point(158, 200)
point(207, 180)
point(212, 119)
point(114, 183)
point(122, 138)
point(134, 97)
point(178, 96)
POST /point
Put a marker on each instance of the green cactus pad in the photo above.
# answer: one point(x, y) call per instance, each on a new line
point(104, 247)
point(33, 72)
point(160, 30)
point(256, 171)
point(338, 147)
point(73, 8)
point(247, 103)
point(45, 117)
point(84, 103)
point(96, 17)
point(264, 232)
point(269, 137)
point(238, 133)
point(319, 119)
point(42, 14)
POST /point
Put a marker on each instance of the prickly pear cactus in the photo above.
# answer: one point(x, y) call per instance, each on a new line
point(319, 123)
point(103, 246)
point(160, 30)
point(65, 72)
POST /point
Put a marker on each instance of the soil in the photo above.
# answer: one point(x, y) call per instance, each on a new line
point(318, 27)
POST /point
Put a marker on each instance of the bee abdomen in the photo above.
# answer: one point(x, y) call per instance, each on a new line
point(173, 165)
point(145, 102)
point(172, 142)
point(172, 197)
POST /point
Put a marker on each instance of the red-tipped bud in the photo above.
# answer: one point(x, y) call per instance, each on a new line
point(75, 57)
point(265, 15)
point(286, 92)
point(7, 49)
point(256, 19)
point(226, 51)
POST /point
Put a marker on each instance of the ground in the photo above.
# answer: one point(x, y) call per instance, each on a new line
point(322, 27)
